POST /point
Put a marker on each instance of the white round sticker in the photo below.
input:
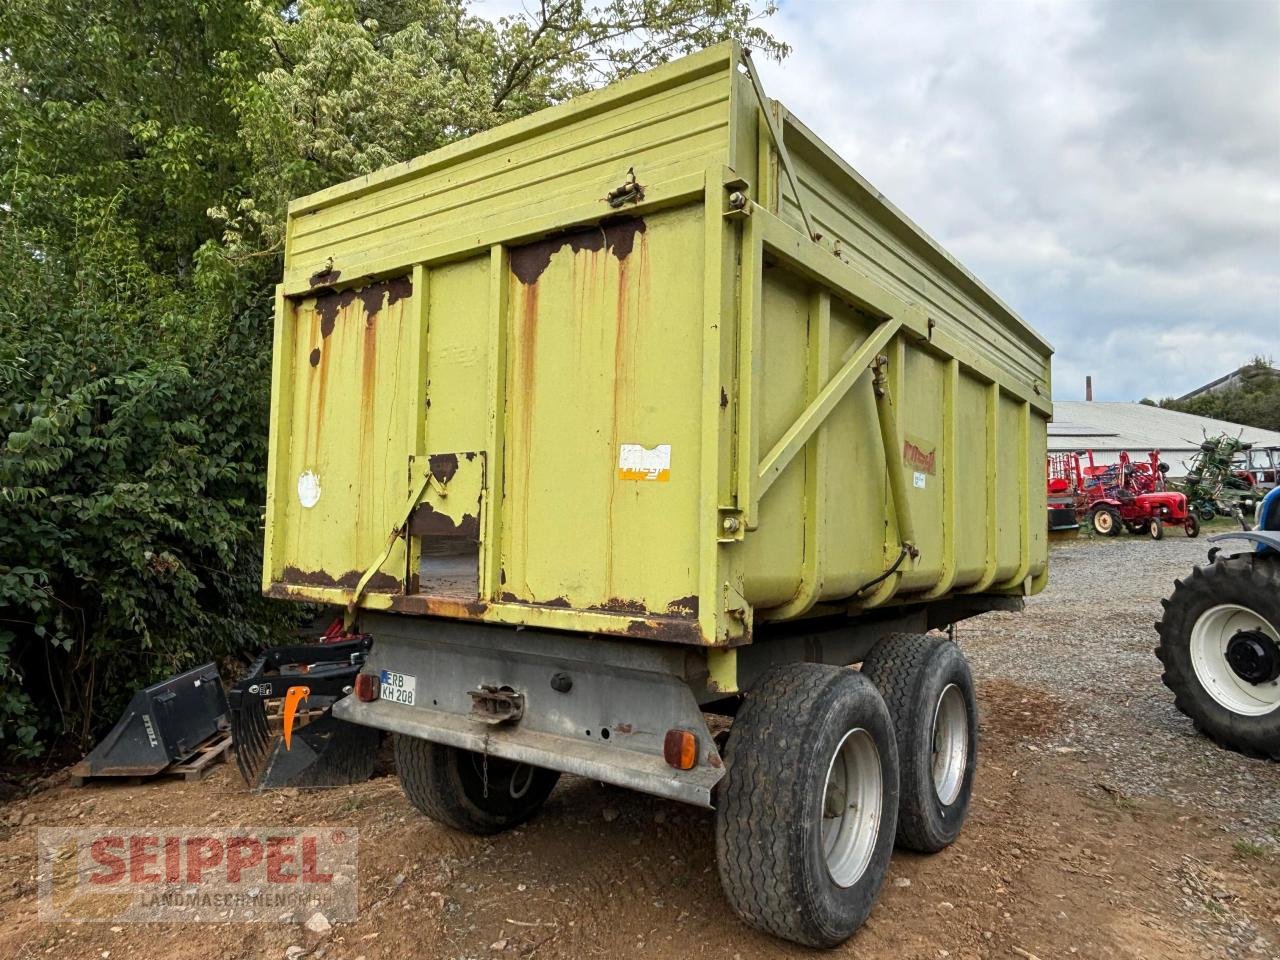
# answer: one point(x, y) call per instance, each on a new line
point(308, 489)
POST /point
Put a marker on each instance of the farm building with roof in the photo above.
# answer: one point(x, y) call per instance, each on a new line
point(1109, 428)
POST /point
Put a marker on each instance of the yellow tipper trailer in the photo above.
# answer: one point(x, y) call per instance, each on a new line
point(645, 405)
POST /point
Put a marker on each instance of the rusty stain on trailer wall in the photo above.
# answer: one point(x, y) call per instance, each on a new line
point(615, 234)
point(604, 351)
point(450, 509)
point(347, 448)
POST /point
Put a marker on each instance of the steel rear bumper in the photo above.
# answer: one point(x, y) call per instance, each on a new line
point(626, 768)
point(609, 725)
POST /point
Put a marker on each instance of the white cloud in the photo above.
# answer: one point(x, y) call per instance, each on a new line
point(1111, 169)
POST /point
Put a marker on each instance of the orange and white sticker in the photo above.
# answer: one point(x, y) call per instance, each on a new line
point(638, 462)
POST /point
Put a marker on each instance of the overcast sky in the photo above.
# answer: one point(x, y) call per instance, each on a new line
point(1110, 169)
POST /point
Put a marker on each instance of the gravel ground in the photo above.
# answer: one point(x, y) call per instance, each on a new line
point(1102, 828)
point(1088, 640)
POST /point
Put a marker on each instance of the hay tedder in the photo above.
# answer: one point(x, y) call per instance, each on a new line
point(1126, 495)
point(1222, 481)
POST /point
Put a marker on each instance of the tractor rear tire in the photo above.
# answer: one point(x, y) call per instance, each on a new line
point(467, 791)
point(926, 684)
point(1106, 521)
point(1156, 530)
point(808, 804)
point(1231, 695)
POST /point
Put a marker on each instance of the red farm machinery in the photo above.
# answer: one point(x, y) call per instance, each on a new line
point(1126, 495)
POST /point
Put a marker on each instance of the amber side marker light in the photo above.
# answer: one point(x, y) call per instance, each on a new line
point(680, 749)
point(366, 687)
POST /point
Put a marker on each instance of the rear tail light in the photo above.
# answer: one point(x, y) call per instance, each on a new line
point(366, 687)
point(680, 749)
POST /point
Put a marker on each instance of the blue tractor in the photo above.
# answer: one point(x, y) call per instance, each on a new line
point(1220, 640)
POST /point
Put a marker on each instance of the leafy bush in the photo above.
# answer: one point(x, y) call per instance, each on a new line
point(132, 471)
point(147, 153)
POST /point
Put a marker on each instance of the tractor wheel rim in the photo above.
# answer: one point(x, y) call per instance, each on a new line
point(1210, 638)
point(1103, 522)
point(950, 744)
point(851, 807)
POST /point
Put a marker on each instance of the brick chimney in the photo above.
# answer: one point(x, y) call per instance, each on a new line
point(1088, 388)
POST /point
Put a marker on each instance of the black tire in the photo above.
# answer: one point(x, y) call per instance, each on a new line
point(1192, 526)
point(448, 785)
point(1251, 581)
point(769, 839)
point(1156, 530)
point(1106, 521)
point(1205, 512)
point(911, 672)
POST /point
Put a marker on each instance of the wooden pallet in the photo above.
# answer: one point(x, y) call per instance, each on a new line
point(215, 750)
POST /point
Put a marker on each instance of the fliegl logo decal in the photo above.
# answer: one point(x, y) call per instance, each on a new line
point(920, 457)
point(638, 462)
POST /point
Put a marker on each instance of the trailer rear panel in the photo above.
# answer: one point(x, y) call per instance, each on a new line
point(591, 371)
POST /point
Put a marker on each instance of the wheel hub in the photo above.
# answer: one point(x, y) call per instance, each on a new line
point(950, 744)
point(851, 800)
point(1254, 657)
point(1234, 650)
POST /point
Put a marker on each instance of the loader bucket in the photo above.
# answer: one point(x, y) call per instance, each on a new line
point(165, 723)
point(321, 750)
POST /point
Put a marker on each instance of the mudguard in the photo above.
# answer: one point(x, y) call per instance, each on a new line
point(1267, 532)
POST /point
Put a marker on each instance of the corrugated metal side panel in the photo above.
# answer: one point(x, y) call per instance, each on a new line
point(976, 500)
point(969, 382)
point(878, 239)
point(669, 122)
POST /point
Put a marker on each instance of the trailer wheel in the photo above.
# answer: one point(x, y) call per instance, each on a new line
point(1106, 521)
point(1156, 529)
point(1192, 526)
point(925, 682)
point(808, 804)
point(1220, 646)
point(468, 791)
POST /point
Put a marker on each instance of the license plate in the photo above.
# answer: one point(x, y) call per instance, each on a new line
point(398, 687)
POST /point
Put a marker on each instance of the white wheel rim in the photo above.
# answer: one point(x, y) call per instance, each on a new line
point(851, 807)
point(521, 780)
point(1102, 521)
point(950, 744)
point(1209, 638)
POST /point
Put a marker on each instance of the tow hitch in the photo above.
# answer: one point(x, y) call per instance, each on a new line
point(495, 705)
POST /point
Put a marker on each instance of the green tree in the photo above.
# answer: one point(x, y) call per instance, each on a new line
point(1254, 401)
point(354, 87)
point(147, 154)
